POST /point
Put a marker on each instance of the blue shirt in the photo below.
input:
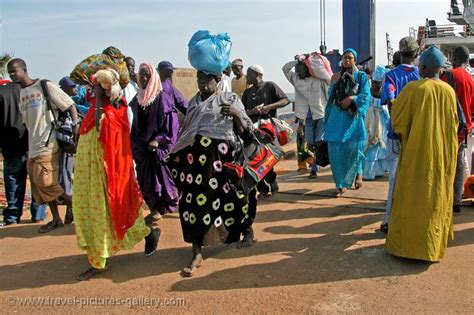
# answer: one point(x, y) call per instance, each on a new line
point(82, 105)
point(393, 83)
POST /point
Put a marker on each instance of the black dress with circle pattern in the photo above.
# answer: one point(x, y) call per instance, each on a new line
point(210, 209)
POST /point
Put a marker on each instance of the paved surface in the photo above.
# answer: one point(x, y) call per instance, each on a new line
point(314, 254)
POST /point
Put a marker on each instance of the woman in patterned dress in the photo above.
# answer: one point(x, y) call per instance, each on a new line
point(211, 210)
point(106, 199)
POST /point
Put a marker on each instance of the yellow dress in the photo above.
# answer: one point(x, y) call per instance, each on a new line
point(425, 117)
point(94, 227)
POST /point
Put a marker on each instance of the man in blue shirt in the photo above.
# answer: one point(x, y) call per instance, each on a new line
point(393, 83)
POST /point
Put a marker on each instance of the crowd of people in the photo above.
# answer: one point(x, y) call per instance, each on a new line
point(404, 120)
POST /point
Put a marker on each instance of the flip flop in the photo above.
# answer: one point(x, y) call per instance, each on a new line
point(86, 275)
point(50, 226)
point(339, 192)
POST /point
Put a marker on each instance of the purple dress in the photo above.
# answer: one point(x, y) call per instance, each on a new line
point(158, 121)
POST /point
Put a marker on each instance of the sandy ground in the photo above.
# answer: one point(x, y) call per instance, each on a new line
point(314, 254)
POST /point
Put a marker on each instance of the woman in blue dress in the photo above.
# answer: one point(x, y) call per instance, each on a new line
point(349, 100)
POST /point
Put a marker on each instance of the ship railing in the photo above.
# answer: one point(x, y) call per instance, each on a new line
point(447, 30)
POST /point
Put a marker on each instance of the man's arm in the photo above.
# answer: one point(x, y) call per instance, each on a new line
point(290, 75)
point(280, 96)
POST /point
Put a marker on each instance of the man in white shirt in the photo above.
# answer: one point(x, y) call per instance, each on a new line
point(43, 149)
point(311, 96)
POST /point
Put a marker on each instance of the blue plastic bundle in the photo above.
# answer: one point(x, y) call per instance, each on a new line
point(209, 53)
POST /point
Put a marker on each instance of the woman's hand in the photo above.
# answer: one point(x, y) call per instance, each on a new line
point(153, 146)
point(229, 110)
point(345, 103)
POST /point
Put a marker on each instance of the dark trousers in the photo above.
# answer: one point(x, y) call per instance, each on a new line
point(267, 183)
point(14, 176)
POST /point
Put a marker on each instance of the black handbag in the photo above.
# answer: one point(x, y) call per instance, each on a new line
point(321, 152)
point(62, 125)
point(253, 161)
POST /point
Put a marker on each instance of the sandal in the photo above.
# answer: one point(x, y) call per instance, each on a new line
point(53, 225)
point(190, 270)
point(86, 275)
point(339, 192)
point(358, 182)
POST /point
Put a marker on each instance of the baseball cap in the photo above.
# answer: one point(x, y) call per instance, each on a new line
point(165, 65)
point(66, 82)
point(407, 44)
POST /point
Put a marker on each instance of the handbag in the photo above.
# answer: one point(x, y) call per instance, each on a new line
point(284, 131)
point(252, 163)
point(62, 125)
point(321, 153)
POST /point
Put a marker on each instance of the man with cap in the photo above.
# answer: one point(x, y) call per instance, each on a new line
point(77, 94)
point(261, 101)
point(424, 116)
point(393, 84)
point(239, 82)
point(66, 160)
point(463, 86)
point(131, 89)
point(171, 97)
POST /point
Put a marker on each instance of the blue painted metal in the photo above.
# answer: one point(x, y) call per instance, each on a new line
point(359, 27)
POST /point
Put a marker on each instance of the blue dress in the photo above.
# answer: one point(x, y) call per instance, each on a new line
point(346, 135)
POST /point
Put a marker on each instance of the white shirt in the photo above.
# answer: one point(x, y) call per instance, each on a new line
point(225, 84)
point(310, 93)
point(129, 93)
point(38, 119)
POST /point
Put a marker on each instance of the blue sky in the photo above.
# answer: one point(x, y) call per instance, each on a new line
point(53, 36)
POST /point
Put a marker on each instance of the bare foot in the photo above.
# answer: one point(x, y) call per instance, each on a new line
point(248, 239)
point(358, 182)
point(190, 270)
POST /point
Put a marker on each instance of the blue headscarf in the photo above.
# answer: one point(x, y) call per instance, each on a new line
point(379, 73)
point(432, 57)
point(352, 51)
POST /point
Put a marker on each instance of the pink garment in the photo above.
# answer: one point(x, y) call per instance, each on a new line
point(147, 96)
point(319, 66)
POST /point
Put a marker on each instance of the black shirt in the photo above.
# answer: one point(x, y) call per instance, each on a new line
point(13, 133)
point(264, 93)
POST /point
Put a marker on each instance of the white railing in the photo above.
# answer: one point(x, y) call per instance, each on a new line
point(448, 30)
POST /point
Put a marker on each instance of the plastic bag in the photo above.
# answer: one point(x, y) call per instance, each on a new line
point(319, 66)
point(111, 57)
point(209, 53)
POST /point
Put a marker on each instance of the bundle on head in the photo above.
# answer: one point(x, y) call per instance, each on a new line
point(109, 80)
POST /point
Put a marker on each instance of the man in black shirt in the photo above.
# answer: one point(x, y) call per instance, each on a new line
point(14, 147)
point(262, 99)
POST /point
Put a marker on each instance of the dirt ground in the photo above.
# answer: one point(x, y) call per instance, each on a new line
point(314, 254)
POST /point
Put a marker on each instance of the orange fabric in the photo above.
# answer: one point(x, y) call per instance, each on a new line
point(469, 187)
point(124, 195)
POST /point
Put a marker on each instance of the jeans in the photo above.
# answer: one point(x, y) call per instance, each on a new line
point(314, 131)
point(459, 177)
point(393, 151)
point(66, 168)
point(14, 175)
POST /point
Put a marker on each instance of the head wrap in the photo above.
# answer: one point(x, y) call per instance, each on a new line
point(379, 73)
point(146, 96)
point(257, 68)
point(352, 51)
point(432, 57)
